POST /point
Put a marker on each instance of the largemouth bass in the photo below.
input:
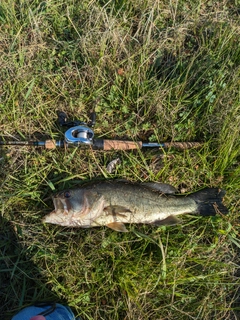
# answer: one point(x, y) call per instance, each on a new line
point(115, 203)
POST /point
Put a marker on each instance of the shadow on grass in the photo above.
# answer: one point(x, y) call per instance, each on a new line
point(21, 282)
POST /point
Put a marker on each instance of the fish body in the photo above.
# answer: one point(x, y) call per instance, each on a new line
point(116, 203)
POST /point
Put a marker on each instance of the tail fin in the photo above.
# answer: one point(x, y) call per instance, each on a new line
point(209, 201)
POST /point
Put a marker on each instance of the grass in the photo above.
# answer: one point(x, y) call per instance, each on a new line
point(153, 70)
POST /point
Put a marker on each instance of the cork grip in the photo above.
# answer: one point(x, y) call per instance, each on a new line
point(121, 145)
point(50, 144)
point(182, 145)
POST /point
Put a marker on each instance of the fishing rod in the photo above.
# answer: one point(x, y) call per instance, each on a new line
point(80, 134)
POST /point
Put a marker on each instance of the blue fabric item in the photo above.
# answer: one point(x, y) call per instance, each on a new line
point(60, 313)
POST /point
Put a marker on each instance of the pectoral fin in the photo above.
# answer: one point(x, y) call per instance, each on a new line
point(117, 226)
point(116, 210)
point(169, 221)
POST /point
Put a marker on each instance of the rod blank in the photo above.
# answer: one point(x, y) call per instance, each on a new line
point(105, 144)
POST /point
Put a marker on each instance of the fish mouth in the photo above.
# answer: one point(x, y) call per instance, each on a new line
point(61, 205)
point(62, 208)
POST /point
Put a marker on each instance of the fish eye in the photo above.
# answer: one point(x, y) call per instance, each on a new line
point(67, 194)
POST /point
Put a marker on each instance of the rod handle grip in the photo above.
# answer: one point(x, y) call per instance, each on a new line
point(183, 145)
point(50, 144)
point(121, 145)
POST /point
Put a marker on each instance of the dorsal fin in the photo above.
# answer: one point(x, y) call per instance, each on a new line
point(159, 186)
